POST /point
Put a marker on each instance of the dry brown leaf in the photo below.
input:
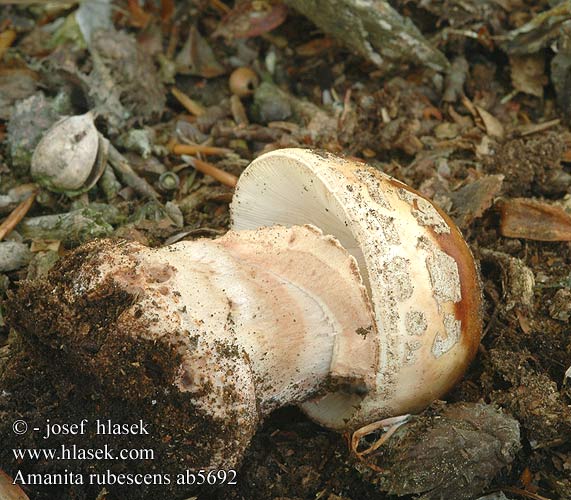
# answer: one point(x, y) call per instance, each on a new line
point(249, 19)
point(492, 125)
point(524, 322)
point(197, 57)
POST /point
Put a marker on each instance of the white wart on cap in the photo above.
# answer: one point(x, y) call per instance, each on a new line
point(419, 273)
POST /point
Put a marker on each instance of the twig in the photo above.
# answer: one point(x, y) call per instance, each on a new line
point(538, 32)
point(187, 149)
point(129, 176)
point(173, 40)
point(523, 493)
point(533, 128)
point(220, 6)
point(190, 105)
point(206, 168)
point(16, 216)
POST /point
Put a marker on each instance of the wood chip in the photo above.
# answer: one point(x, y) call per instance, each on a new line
point(46, 245)
point(472, 200)
point(533, 220)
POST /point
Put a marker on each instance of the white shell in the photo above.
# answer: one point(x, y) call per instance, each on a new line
point(66, 159)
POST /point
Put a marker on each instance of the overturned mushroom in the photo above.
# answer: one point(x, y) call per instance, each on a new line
point(338, 288)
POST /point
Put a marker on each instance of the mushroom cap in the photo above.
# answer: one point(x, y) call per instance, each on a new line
point(418, 270)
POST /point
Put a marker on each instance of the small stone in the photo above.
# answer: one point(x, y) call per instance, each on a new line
point(30, 119)
point(13, 256)
point(446, 130)
point(271, 104)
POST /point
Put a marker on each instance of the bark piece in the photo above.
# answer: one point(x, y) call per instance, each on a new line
point(518, 280)
point(454, 454)
point(455, 79)
point(533, 220)
point(471, 201)
point(72, 228)
point(539, 32)
point(373, 29)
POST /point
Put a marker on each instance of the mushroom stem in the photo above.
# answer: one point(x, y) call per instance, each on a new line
point(223, 331)
point(300, 310)
point(290, 300)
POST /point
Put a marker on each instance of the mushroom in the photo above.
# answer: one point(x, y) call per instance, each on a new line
point(71, 157)
point(419, 274)
point(338, 288)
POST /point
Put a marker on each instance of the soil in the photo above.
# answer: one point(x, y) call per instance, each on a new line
point(396, 121)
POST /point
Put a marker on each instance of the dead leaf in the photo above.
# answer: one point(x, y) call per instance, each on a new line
point(492, 125)
point(197, 57)
point(314, 47)
point(249, 19)
point(524, 322)
point(124, 82)
point(15, 85)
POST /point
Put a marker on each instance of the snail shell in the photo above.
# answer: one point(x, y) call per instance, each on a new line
point(71, 156)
